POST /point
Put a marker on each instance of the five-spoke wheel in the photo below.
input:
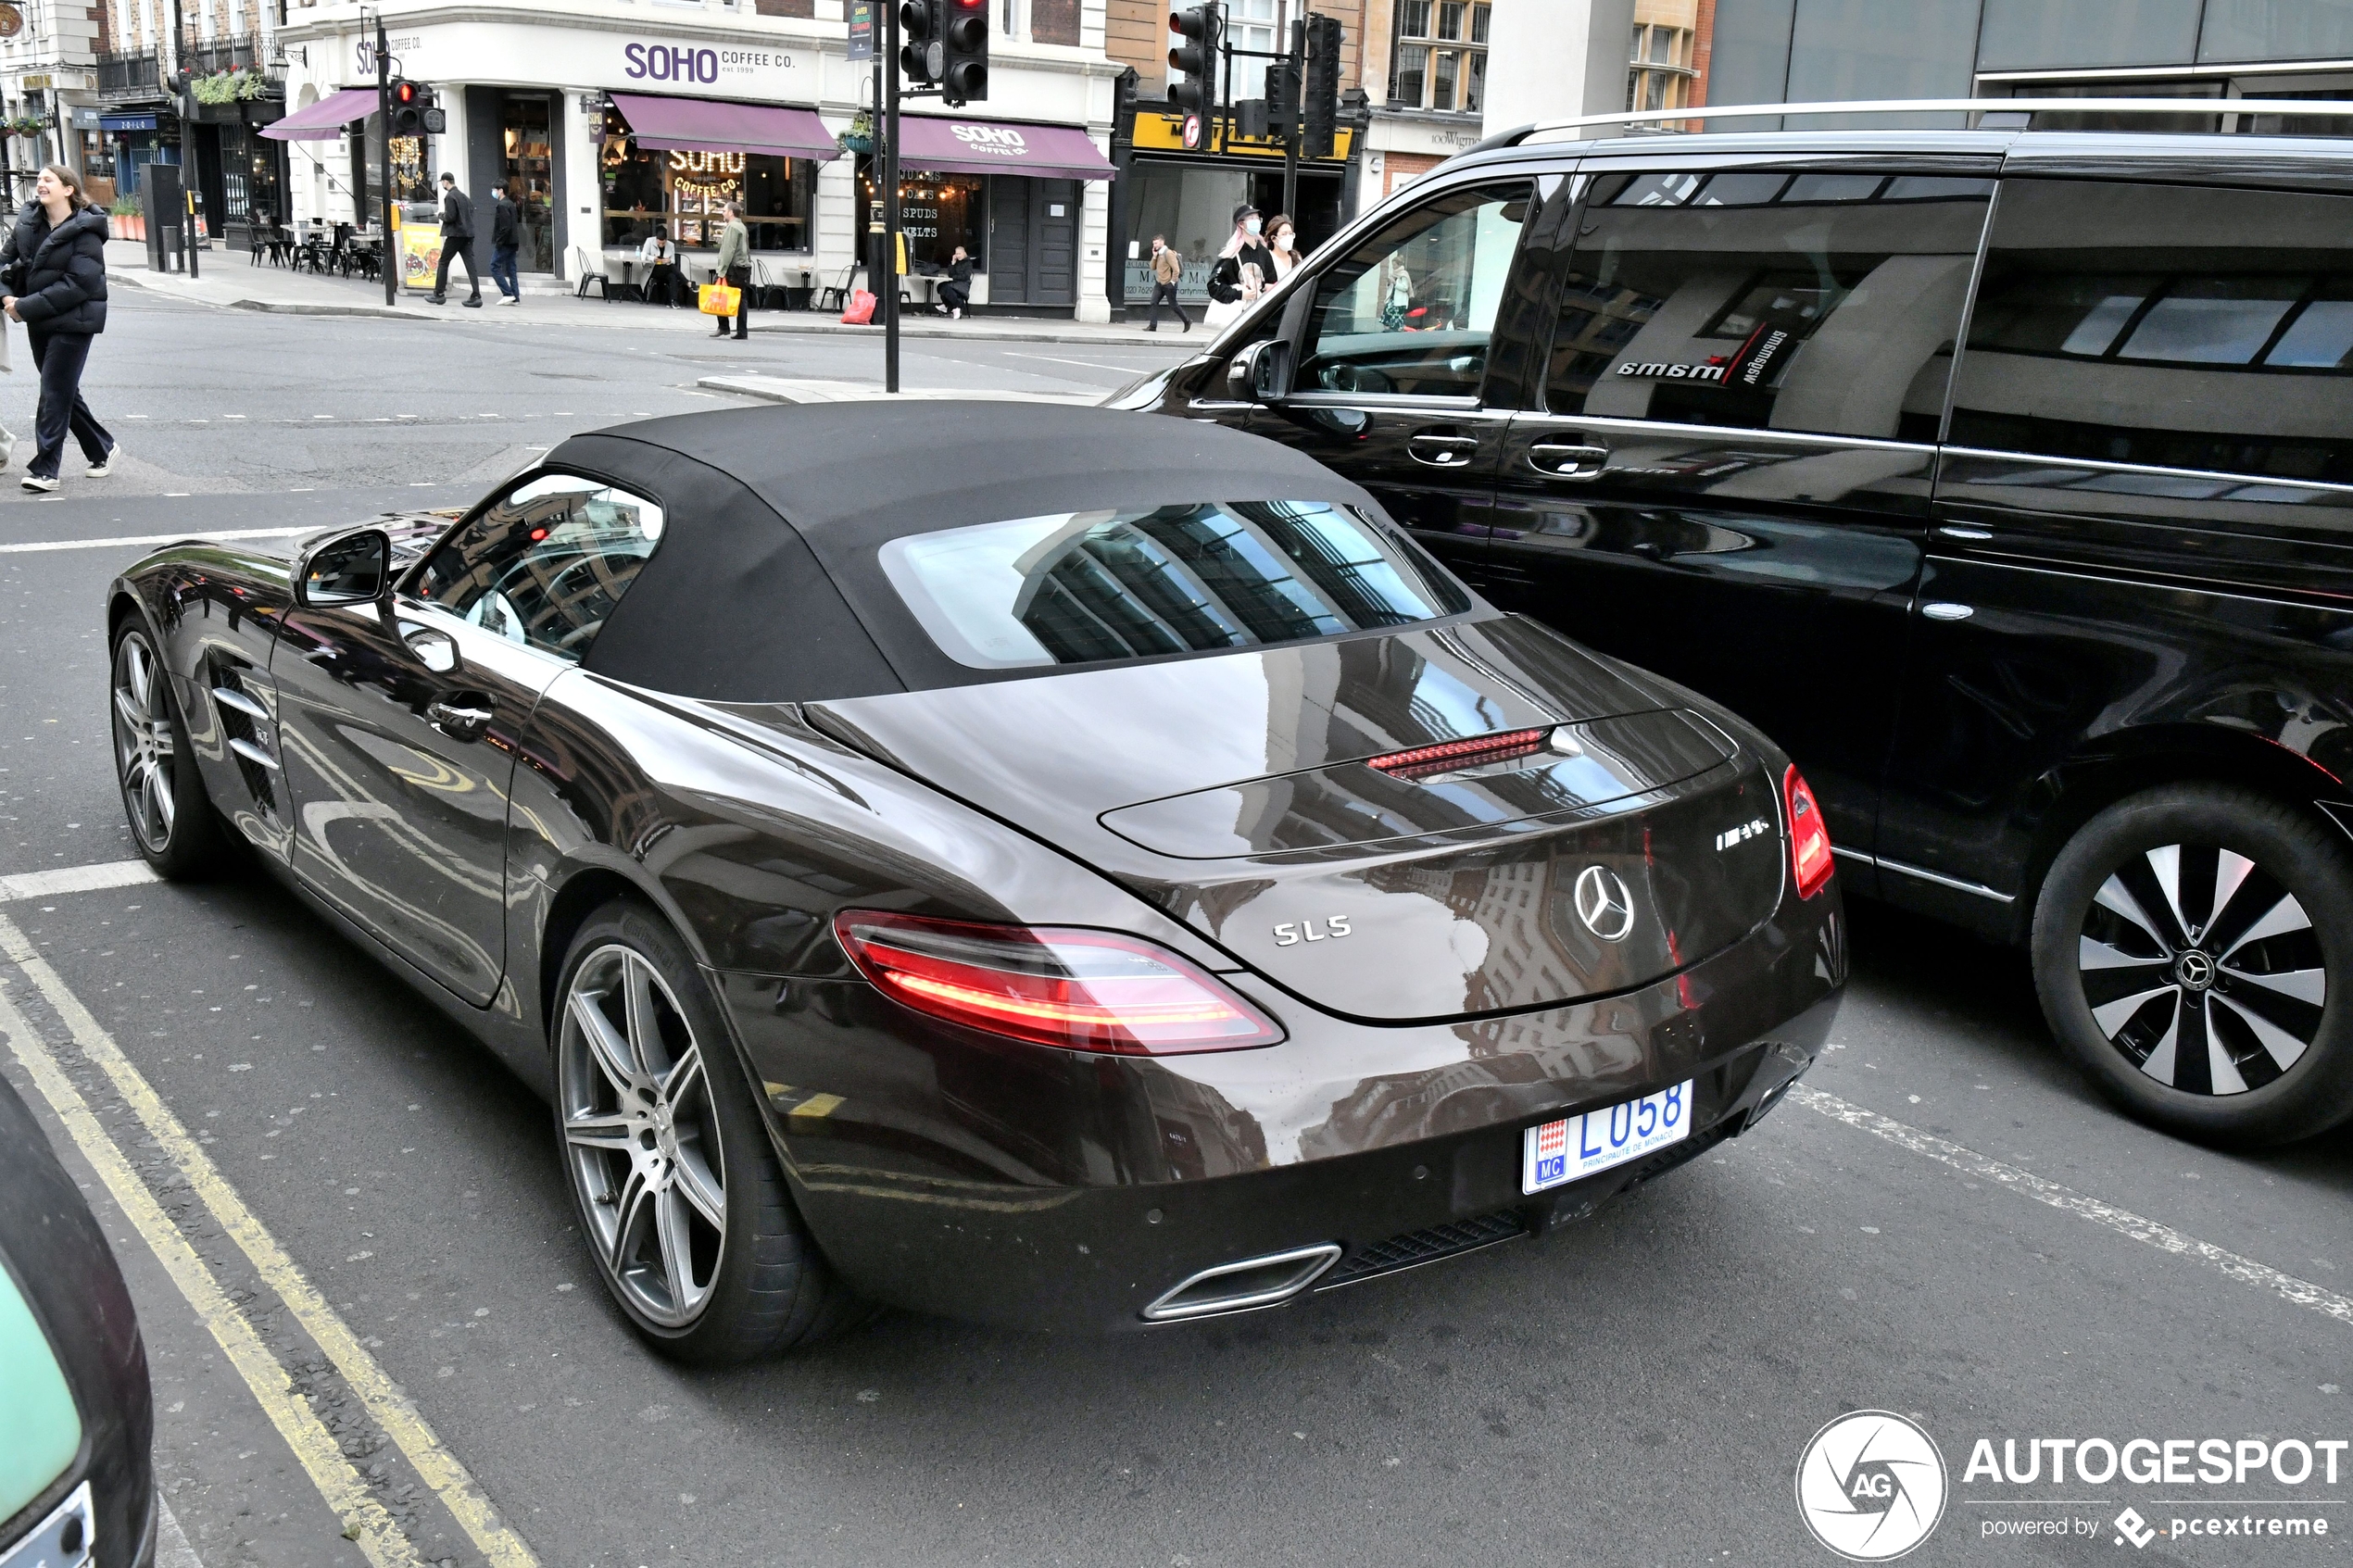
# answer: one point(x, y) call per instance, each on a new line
point(679, 1191)
point(2188, 946)
point(163, 795)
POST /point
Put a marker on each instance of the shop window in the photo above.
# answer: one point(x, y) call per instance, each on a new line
point(679, 192)
point(526, 168)
point(1827, 310)
point(936, 212)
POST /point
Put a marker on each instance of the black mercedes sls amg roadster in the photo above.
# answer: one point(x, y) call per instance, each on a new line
point(1029, 864)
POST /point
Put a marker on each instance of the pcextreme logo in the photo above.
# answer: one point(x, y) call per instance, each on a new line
point(1870, 1485)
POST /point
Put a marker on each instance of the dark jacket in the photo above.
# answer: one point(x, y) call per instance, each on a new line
point(506, 224)
point(457, 216)
point(1225, 278)
point(58, 275)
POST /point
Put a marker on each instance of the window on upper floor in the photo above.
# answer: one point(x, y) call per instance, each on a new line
point(1439, 59)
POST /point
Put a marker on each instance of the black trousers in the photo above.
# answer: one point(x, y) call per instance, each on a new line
point(955, 296)
point(1167, 292)
point(455, 248)
point(740, 278)
point(60, 356)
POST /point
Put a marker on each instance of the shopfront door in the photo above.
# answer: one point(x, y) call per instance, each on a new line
point(526, 166)
point(1033, 241)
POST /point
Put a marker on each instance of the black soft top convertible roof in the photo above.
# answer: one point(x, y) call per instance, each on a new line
point(766, 586)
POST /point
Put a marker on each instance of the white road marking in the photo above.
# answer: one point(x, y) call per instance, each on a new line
point(121, 540)
point(386, 1402)
point(1116, 370)
point(172, 1550)
point(2246, 1271)
point(75, 878)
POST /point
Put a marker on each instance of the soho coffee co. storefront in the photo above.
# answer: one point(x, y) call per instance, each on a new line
point(1013, 196)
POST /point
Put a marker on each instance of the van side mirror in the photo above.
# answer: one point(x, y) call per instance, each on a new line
point(353, 568)
point(1260, 373)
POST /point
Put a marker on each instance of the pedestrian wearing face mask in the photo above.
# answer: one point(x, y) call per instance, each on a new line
point(1244, 268)
point(1282, 237)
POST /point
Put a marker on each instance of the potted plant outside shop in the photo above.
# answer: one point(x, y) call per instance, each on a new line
point(127, 219)
point(859, 137)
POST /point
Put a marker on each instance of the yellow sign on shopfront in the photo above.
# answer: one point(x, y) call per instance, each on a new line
point(1165, 133)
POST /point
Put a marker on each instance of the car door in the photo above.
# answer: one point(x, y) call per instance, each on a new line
point(400, 717)
point(2144, 520)
point(1727, 476)
point(1398, 342)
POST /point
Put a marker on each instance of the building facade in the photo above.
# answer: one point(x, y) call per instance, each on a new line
point(612, 119)
point(1797, 51)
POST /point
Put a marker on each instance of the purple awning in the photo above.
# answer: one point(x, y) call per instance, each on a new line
point(700, 125)
point(317, 122)
point(986, 146)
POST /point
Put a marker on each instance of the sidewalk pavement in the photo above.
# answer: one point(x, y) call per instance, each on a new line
point(228, 279)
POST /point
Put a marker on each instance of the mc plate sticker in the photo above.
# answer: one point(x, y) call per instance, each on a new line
point(1579, 1145)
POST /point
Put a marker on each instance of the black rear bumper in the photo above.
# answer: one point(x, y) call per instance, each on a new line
point(1004, 1184)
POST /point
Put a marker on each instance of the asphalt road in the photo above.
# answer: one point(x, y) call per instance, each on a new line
point(1635, 1389)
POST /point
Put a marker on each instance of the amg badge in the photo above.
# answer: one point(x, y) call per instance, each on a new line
point(1742, 833)
point(1291, 932)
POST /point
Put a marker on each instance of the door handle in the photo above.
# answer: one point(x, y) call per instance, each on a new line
point(460, 715)
point(1944, 610)
point(1567, 462)
point(1442, 451)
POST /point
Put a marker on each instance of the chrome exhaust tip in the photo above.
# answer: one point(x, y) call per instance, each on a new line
point(1239, 1287)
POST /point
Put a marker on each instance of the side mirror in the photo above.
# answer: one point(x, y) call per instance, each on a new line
point(1260, 373)
point(353, 568)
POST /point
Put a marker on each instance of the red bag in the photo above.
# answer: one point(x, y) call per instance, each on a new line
point(862, 311)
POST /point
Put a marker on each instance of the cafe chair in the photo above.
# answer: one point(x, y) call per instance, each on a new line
point(589, 270)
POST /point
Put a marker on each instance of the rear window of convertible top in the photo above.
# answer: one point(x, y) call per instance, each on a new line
point(1086, 587)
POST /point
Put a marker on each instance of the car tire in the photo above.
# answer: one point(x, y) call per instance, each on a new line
point(679, 1192)
point(172, 820)
point(2193, 948)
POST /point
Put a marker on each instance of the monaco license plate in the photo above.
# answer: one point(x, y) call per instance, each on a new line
point(1579, 1145)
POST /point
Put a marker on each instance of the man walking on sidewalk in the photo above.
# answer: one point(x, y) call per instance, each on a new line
point(506, 238)
point(734, 269)
point(1168, 268)
point(457, 240)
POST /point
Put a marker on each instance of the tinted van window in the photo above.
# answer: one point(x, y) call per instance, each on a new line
point(2174, 326)
point(1823, 303)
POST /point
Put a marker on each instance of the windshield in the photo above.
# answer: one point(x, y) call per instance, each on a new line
point(1084, 588)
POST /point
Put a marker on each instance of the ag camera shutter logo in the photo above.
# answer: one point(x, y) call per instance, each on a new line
point(1871, 1485)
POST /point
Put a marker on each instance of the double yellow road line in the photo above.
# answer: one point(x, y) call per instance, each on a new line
point(365, 1520)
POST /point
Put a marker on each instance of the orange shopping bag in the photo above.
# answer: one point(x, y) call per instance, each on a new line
point(719, 299)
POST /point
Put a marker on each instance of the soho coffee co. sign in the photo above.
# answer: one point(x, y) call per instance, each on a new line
point(995, 141)
point(697, 65)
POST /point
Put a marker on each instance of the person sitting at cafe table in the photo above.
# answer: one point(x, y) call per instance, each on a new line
point(661, 267)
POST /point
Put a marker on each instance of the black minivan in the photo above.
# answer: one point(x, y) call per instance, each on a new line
point(2004, 478)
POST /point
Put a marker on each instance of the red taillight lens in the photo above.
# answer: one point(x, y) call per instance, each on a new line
point(1809, 837)
point(1447, 756)
point(1079, 990)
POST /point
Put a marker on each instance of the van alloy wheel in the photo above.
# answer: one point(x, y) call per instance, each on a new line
point(2202, 969)
point(641, 1138)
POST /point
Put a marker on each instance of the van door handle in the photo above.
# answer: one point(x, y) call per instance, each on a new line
point(1442, 451)
point(1567, 462)
point(460, 715)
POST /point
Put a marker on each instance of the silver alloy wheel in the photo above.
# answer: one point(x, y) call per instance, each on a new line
point(146, 757)
point(2202, 969)
point(641, 1136)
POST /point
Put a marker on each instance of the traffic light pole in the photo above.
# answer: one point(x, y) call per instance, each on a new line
point(1291, 119)
point(392, 260)
point(887, 290)
point(187, 145)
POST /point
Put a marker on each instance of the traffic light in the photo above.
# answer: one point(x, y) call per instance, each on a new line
point(408, 108)
point(964, 76)
point(1282, 98)
point(1195, 59)
point(1322, 107)
point(922, 54)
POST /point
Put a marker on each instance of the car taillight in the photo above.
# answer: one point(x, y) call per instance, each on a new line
point(1079, 990)
point(1809, 837)
point(1449, 755)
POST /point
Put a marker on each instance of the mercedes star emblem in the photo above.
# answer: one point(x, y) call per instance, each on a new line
point(1603, 904)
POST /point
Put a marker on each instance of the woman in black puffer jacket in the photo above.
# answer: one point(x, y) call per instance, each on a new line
point(53, 266)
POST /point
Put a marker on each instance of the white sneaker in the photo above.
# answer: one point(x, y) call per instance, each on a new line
point(105, 465)
point(515, 299)
point(34, 482)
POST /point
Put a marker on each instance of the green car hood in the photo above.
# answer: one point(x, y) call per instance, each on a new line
point(42, 1431)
